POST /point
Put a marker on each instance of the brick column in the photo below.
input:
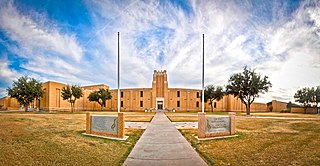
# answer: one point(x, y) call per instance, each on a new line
point(232, 123)
point(121, 124)
point(88, 123)
point(201, 125)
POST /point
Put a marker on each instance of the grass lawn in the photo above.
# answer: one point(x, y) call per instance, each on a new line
point(193, 116)
point(291, 115)
point(37, 139)
point(263, 142)
point(196, 113)
point(129, 116)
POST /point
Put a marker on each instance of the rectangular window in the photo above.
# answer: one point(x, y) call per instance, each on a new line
point(197, 104)
point(178, 93)
point(198, 94)
point(178, 103)
point(141, 103)
point(121, 94)
point(121, 104)
point(141, 93)
point(215, 105)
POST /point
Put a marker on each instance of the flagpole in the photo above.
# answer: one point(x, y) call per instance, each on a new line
point(118, 72)
point(202, 73)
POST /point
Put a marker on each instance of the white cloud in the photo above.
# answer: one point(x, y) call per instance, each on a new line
point(32, 36)
point(285, 49)
point(7, 74)
point(157, 34)
point(48, 53)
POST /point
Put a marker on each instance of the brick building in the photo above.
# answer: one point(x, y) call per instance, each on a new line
point(159, 96)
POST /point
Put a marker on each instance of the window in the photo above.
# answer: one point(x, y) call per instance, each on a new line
point(141, 93)
point(141, 103)
point(198, 94)
point(215, 105)
point(121, 104)
point(178, 103)
point(121, 94)
point(197, 104)
point(178, 93)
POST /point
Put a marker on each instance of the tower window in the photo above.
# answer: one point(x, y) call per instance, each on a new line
point(178, 93)
point(141, 93)
point(141, 103)
point(121, 94)
point(178, 103)
point(215, 105)
point(121, 104)
point(197, 104)
point(198, 94)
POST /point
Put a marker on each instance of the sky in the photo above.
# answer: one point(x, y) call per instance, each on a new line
point(75, 42)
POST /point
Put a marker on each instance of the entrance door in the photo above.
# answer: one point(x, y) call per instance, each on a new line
point(160, 105)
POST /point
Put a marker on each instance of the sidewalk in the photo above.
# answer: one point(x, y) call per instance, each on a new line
point(162, 144)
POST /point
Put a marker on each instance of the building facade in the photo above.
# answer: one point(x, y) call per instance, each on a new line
point(159, 96)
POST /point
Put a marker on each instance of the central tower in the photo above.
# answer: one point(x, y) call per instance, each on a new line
point(159, 89)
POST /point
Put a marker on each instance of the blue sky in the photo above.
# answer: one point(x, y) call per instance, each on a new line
point(75, 42)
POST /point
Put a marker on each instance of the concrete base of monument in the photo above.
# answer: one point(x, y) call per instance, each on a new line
point(212, 138)
point(113, 138)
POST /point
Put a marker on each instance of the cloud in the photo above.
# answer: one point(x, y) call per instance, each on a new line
point(7, 75)
point(48, 53)
point(277, 43)
point(33, 36)
point(279, 39)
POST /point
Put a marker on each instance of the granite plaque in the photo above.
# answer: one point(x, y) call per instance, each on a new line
point(217, 124)
point(103, 123)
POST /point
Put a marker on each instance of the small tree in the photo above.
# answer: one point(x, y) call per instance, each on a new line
point(71, 94)
point(247, 86)
point(304, 96)
point(289, 106)
point(38, 92)
point(100, 96)
point(314, 92)
point(317, 98)
point(25, 90)
point(212, 93)
point(308, 97)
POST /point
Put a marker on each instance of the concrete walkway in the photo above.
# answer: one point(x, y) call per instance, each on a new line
point(162, 144)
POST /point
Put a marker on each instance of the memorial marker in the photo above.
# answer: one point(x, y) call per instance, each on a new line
point(211, 127)
point(106, 126)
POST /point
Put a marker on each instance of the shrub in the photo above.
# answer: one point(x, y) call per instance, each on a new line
point(285, 111)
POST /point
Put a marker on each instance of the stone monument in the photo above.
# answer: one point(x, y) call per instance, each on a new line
point(216, 126)
point(106, 126)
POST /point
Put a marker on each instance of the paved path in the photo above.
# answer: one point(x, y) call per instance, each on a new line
point(162, 144)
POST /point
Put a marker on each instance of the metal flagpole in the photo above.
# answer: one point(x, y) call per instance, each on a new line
point(202, 73)
point(118, 73)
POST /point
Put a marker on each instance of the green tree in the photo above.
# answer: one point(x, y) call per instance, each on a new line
point(71, 94)
point(212, 93)
point(304, 96)
point(317, 98)
point(26, 90)
point(100, 96)
point(247, 86)
point(289, 106)
point(315, 95)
